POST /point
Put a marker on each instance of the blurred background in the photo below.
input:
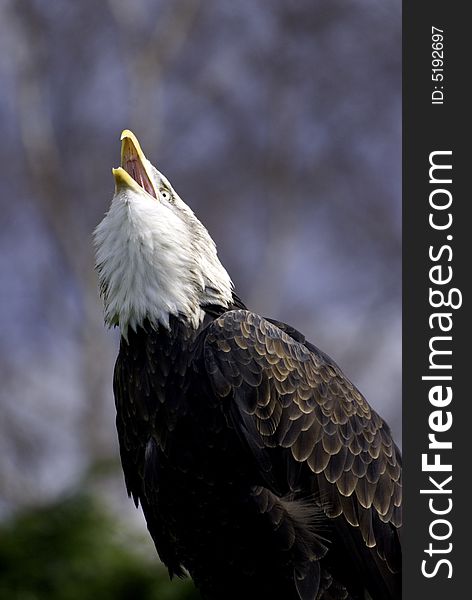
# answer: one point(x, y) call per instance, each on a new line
point(279, 124)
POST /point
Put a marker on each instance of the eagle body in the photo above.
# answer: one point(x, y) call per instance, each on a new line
point(206, 504)
point(260, 469)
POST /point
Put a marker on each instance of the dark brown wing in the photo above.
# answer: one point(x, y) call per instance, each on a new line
point(295, 410)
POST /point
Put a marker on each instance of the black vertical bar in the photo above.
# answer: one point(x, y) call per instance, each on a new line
point(436, 120)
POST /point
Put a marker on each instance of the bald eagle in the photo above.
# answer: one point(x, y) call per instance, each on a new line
point(261, 470)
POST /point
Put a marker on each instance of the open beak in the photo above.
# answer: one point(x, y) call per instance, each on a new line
point(133, 172)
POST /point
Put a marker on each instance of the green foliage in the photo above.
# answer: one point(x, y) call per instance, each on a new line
point(71, 551)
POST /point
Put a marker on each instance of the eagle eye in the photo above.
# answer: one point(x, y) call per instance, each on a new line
point(165, 194)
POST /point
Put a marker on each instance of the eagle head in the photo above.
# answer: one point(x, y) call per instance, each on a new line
point(153, 256)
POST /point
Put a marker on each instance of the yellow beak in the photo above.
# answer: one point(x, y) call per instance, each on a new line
point(134, 171)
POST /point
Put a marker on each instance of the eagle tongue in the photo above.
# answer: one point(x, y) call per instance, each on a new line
point(134, 167)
